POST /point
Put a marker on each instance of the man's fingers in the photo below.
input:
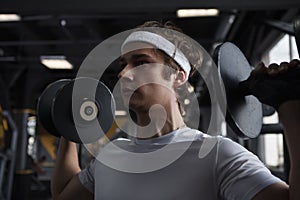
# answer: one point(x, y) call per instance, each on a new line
point(259, 69)
point(283, 67)
point(273, 69)
point(294, 63)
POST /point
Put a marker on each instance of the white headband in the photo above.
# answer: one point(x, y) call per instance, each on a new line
point(158, 42)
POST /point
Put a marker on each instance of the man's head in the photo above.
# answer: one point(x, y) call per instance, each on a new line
point(158, 43)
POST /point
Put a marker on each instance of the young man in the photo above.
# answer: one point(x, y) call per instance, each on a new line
point(152, 69)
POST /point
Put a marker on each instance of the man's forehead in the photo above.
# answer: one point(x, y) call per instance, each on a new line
point(136, 54)
point(132, 46)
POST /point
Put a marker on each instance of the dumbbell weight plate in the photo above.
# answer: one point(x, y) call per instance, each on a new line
point(45, 104)
point(297, 32)
point(244, 113)
point(84, 110)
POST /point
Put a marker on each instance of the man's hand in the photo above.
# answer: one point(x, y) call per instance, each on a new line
point(275, 84)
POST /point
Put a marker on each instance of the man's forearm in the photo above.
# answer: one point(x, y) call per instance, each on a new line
point(66, 167)
point(289, 114)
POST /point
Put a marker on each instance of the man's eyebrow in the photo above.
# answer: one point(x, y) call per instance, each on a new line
point(137, 56)
point(134, 56)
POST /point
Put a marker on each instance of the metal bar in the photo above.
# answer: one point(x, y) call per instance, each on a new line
point(3, 161)
point(282, 26)
point(272, 36)
point(68, 42)
point(296, 24)
point(12, 152)
point(117, 6)
point(271, 128)
point(47, 42)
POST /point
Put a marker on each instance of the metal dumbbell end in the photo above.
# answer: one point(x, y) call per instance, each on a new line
point(88, 110)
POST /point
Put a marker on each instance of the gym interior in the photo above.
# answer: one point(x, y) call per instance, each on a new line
point(34, 32)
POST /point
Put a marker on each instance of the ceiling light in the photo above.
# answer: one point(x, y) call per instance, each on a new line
point(56, 62)
point(197, 12)
point(9, 17)
point(120, 113)
point(63, 22)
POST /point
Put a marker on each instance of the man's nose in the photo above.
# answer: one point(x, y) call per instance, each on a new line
point(126, 72)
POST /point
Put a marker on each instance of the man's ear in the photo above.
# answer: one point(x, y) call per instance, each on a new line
point(180, 78)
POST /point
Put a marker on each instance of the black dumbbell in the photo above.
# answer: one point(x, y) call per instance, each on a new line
point(81, 110)
point(245, 93)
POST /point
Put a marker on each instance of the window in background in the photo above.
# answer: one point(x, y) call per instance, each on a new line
point(272, 144)
point(284, 50)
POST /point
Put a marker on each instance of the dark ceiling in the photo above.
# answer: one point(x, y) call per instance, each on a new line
point(73, 28)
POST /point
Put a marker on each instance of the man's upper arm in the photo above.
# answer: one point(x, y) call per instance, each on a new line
point(241, 175)
point(80, 186)
point(276, 191)
point(75, 190)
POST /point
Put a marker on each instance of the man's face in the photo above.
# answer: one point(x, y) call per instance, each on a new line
point(142, 82)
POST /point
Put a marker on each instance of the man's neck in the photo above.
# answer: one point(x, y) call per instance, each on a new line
point(159, 122)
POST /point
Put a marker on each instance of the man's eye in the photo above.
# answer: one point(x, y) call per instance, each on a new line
point(141, 62)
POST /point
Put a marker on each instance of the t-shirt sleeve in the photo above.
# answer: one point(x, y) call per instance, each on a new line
point(86, 176)
point(239, 173)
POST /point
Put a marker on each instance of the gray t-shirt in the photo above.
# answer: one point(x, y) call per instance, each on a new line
point(226, 171)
